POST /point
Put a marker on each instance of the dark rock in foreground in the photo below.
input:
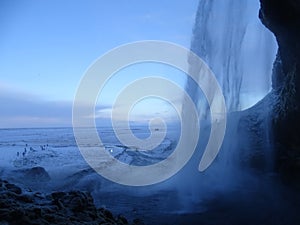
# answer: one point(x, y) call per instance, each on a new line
point(36, 174)
point(74, 207)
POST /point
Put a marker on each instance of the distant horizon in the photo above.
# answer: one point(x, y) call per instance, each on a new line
point(170, 124)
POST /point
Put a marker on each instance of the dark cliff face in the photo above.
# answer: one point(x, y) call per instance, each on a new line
point(282, 17)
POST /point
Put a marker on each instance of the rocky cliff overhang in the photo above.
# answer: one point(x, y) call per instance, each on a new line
point(282, 17)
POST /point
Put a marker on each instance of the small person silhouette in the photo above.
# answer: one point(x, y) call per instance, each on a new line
point(23, 154)
point(18, 154)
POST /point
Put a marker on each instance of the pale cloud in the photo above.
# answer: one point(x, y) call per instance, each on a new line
point(22, 109)
point(143, 111)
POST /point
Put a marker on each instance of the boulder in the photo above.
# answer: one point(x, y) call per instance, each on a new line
point(75, 207)
point(36, 174)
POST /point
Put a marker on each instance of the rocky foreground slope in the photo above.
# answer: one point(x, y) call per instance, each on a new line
point(76, 207)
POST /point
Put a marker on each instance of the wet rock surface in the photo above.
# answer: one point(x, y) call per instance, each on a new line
point(282, 17)
point(75, 207)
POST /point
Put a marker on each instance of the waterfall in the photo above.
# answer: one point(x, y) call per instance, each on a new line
point(231, 39)
point(240, 51)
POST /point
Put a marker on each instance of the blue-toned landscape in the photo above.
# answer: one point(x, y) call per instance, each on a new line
point(154, 112)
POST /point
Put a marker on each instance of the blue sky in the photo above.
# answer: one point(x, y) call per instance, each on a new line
point(46, 46)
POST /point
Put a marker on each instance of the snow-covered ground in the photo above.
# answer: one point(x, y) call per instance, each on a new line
point(55, 149)
point(51, 148)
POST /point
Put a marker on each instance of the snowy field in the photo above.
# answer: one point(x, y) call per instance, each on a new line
point(55, 150)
